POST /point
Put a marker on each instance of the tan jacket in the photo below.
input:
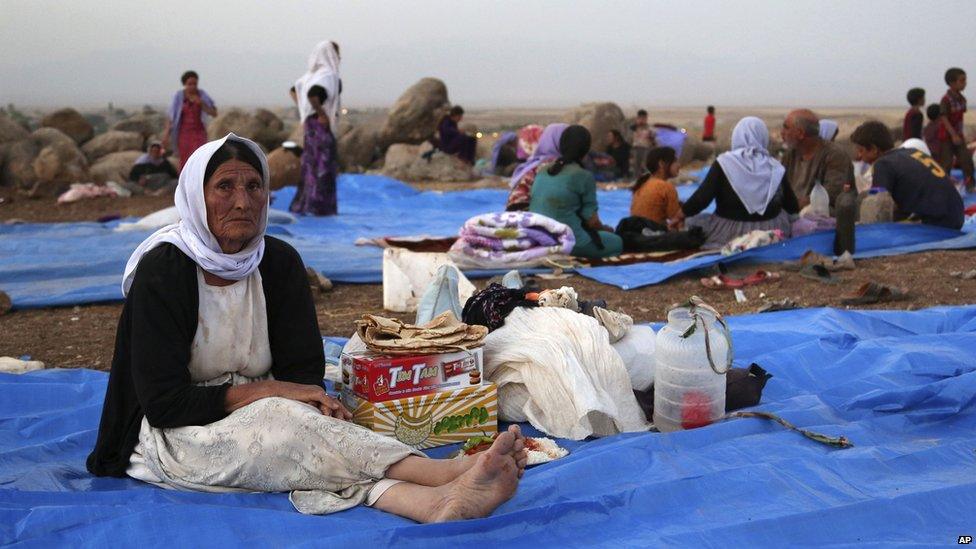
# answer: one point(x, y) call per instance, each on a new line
point(830, 164)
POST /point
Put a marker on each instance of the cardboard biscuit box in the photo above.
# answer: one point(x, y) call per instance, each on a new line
point(426, 421)
point(378, 378)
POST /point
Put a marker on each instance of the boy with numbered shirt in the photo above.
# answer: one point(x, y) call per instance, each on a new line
point(919, 186)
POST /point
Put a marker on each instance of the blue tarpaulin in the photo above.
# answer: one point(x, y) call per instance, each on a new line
point(50, 264)
point(900, 385)
point(875, 240)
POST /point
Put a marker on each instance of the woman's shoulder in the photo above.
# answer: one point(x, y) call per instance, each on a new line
point(279, 257)
point(163, 258)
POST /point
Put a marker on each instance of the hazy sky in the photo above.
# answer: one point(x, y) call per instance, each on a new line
point(490, 53)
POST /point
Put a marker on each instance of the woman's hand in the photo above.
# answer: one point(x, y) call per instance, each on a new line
point(239, 396)
point(313, 395)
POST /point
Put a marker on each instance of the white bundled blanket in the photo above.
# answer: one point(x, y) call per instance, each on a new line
point(555, 368)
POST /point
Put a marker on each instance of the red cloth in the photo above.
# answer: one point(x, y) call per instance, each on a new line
point(709, 127)
point(192, 133)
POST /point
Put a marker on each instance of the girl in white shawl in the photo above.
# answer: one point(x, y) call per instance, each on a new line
point(317, 94)
point(749, 188)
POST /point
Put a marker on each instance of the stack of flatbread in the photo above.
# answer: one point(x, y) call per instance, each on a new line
point(443, 334)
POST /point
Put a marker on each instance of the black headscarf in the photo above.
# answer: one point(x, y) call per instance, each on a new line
point(573, 146)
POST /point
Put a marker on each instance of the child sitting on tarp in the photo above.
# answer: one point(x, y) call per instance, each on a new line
point(919, 186)
point(654, 197)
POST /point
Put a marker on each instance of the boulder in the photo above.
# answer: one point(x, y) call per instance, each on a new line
point(599, 118)
point(695, 150)
point(112, 141)
point(10, 130)
point(413, 118)
point(59, 162)
point(71, 123)
point(285, 168)
point(114, 166)
point(18, 168)
point(264, 128)
point(359, 148)
point(405, 162)
point(145, 124)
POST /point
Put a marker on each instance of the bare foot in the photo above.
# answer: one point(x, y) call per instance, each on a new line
point(479, 491)
point(519, 453)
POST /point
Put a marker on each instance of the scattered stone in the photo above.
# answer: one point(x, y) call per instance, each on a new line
point(112, 141)
point(406, 163)
point(18, 168)
point(965, 275)
point(71, 122)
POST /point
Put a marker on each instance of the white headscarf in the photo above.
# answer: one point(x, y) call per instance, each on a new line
point(192, 234)
point(754, 174)
point(828, 129)
point(917, 144)
point(323, 70)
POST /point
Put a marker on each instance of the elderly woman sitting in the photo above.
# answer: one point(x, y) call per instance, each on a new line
point(216, 379)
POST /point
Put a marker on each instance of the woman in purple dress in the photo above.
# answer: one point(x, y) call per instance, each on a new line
point(317, 93)
point(452, 140)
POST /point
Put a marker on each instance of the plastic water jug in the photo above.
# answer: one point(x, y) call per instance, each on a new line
point(819, 200)
point(693, 353)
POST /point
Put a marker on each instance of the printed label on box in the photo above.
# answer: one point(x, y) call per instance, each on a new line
point(380, 378)
point(426, 421)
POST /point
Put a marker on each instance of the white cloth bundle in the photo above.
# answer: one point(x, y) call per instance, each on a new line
point(556, 369)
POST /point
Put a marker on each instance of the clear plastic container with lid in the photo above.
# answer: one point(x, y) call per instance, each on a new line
point(693, 353)
point(819, 200)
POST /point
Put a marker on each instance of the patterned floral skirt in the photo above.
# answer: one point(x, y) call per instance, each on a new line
point(271, 445)
point(320, 167)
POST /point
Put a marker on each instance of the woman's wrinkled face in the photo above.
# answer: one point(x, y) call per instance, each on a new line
point(235, 198)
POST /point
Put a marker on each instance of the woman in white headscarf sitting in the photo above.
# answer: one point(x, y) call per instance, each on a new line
point(216, 382)
point(749, 188)
point(317, 95)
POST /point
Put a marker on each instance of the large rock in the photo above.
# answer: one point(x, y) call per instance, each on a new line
point(145, 124)
point(112, 141)
point(264, 128)
point(71, 123)
point(359, 148)
point(599, 118)
point(695, 150)
point(59, 162)
point(285, 167)
point(10, 130)
point(18, 163)
point(404, 162)
point(415, 115)
point(114, 166)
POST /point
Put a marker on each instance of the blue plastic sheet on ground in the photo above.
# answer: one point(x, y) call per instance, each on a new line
point(51, 264)
point(876, 240)
point(900, 385)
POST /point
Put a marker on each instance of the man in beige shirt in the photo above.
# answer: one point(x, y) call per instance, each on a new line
point(809, 158)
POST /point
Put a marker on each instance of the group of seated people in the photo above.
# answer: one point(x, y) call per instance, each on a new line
point(751, 189)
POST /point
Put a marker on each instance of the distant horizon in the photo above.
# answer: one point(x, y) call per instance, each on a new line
point(506, 54)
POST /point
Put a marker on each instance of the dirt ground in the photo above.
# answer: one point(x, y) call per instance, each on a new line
point(83, 336)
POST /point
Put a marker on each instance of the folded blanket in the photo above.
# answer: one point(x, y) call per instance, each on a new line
point(511, 239)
